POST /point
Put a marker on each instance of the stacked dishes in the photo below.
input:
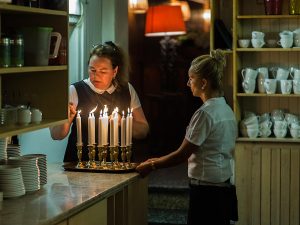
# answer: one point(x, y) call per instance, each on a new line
point(30, 171)
point(42, 165)
point(3, 147)
point(11, 181)
point(13, 150)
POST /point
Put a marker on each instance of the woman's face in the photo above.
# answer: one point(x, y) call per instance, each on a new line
point(194, 83)
point(101, 72)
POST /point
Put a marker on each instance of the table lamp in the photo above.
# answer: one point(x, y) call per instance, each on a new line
point(166, 21)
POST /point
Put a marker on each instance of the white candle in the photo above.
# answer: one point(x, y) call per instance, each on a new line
point(111, 131)
point(116, 128)
point(100, 131)
point(78, 125)
point(105, 126)
point(123, 127)
point(91, 127)
point(129, 128)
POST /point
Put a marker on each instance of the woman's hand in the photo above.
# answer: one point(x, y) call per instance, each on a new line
point(72, 112)
point(146, 167)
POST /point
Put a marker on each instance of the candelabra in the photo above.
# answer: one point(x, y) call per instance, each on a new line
point(92, 154)
point(79, 155)
point(103, 151)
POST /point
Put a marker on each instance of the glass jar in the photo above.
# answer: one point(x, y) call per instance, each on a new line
point(17, 51)
point(4, 52)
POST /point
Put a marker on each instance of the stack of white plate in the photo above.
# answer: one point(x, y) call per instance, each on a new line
point(42, 164)
point(3, 147)
point(30, 171)
point(13, 150)
point(11, 181)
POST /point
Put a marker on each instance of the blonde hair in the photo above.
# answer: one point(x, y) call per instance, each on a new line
point(210, 67)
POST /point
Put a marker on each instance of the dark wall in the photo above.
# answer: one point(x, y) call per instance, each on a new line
point(168, 111)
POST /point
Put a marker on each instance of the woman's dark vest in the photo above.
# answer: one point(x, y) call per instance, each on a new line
point(87, 100)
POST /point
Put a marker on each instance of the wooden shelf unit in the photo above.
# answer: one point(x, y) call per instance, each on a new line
point(43, 87)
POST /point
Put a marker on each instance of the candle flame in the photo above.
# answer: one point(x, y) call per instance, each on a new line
point(78, 112)
point(94, 109)
point(123, 113)
point(105, 109)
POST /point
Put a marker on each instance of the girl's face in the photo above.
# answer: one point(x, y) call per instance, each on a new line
point(194, 83)
point(101, 72)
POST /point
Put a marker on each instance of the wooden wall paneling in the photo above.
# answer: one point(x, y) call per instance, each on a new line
point(265, 186)
point(120, 209)
point(275, 186)
point(295, 187)
point(255, 184)
point(285, 186)
point(243, 181)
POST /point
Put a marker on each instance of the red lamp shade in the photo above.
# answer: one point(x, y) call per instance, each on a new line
point(164, 20)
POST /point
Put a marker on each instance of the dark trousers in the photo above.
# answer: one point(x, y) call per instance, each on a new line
point(209, 205)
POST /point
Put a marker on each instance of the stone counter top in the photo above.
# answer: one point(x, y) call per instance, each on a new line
point(65, 194)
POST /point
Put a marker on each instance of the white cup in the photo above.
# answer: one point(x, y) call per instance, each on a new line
point(244, 43)
point(264, 117)
point(286, 86)
point(249, 85)
point(296, 86)
point(286, 34)
point(252, 120)
point(24, 116)
point(266, 132)
point(285, 42)
point(258, 35)
point(253, 133)
point(281, 73)
point(262, 73)
point(36, 115)
point(249, 73)
point(280, 124)
point(295, 132)
point(295, 73)
point(280, 133)
point(265, 125)
point(257, 43)
point(294, 125)
point(270, 86)
point(291, 118)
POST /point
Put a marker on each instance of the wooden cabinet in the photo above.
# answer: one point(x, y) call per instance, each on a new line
point(248, 17)
point(44, 87)
point(266, 169)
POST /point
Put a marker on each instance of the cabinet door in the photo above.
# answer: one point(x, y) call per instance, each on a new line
point(94, 215)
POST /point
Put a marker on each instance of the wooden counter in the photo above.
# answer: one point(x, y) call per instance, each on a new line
point(80, 198)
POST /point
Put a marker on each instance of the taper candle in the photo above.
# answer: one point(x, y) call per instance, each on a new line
point(91, 127)
point(78, 125)
point(100, 130)
point(123, 130)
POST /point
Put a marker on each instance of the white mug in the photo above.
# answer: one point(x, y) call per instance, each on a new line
point(257, 35)
point(263, 72)
point(295, 133)
point(24, 116)
point(248, 73)
point(249, 85)
point(285, 42)
point(280, 133)
point(257, 43)
point(36, 115)
point(296, 86)
point(270, 85)
point(286, 86)
point(295, 73)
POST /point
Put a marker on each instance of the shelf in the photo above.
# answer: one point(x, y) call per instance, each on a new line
point(31, 10)
point(268, 17)
point(268, 49)
point(269, 139)
point(268, 95)
point(27, 69)
point(12, 130)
